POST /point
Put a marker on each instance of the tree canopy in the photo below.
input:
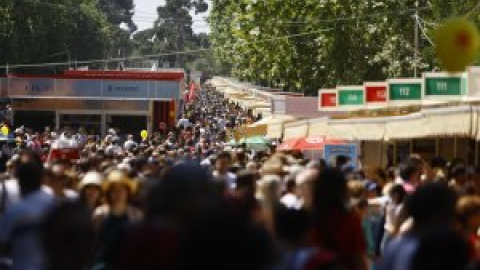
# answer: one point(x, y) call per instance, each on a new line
point(312, 44)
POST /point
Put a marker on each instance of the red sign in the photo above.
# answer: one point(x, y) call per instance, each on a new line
point(328, 100)
point(376, 93)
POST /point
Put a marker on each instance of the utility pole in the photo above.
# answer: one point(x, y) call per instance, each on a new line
point(180, 44)
point(415, 57)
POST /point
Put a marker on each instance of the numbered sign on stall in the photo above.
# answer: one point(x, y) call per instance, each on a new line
point(444, 86)
point(351, 97)
point(376, 93)
point(327, 99)
point(474, 82)
point(404, 91)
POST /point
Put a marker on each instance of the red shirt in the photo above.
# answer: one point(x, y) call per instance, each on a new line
point(345, 237)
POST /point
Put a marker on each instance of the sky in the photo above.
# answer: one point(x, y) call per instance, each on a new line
point(146, 14)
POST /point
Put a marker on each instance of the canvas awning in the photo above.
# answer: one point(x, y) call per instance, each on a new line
point(406, 127)
point(297, 129)
point(318, 127)
point(275, 119)
point(275, 130)
point(250, 131)
point(451, 121)
point(357, 129)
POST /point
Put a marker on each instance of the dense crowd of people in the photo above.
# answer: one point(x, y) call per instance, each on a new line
point(186, 199)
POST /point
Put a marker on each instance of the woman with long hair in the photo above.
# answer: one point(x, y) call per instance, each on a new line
point(113, 218)
point(337, 226)
point(90, 190)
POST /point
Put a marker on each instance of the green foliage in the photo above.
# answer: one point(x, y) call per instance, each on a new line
point(173, 32)
point(34, 31)
point(311, 44)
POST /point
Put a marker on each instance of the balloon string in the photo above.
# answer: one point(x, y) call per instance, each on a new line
point(472, 11)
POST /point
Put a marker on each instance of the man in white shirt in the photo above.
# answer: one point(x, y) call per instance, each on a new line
point(221, 173)
point(20, 228)
point(130, 143)
point(183, 123)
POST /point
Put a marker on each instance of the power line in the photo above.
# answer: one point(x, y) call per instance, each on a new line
point(157, 55)
point(422, 29)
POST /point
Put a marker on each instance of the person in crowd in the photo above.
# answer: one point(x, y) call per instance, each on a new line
point(305, 182)
point(222, 173)
point(215, 205)
point(393, 212)
point(130, 142)
point(468, 212)
point(184, 194)
point(432, 208)
point(9, 189)
point(337, 226)
point(410, 174)
point(56, 180)
point(20, 228)
point(458, 178)
point(290, 198)
point(90, 189)
point(68, 237)
point(112, 218)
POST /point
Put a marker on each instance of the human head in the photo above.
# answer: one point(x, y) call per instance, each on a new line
point(29, 173)
point(118, 187)
point(223, 162)
point(468, 213)
point(432, 205)
point(330, 192)
point(397, 193)
point(185, 191)
point(341, 161)
point(246, 183)
point(68, 237)
point(458, 173)
point(411, 171)
point(90, 188)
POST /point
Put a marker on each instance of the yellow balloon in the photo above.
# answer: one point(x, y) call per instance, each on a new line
point(5, 130)
point(144, 134)
point(456, 44)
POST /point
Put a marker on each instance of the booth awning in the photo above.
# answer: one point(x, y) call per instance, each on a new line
point(275, 130)
point(250, 131)
point(357, 129)
point(298, 129)
point(406, 127)
point(318, 127)
point(310, 143)
point(454, 121)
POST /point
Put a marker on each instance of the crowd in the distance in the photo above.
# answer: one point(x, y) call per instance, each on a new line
point(186, 199)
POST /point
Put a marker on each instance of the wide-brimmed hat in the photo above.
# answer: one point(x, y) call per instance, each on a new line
point(91, 178)
point(119, 177)
point(273, 166)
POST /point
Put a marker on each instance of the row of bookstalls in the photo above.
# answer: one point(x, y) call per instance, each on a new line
point(242, 95)
point(436, 115)
point(450, 132)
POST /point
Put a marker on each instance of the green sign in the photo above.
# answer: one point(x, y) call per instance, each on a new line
point(446, 86)
point(405, 91)
point(350, 97)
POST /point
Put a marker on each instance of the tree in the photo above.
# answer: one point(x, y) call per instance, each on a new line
point(173, 32)
point(119, 14)
point(45, 31)
point(311, 44)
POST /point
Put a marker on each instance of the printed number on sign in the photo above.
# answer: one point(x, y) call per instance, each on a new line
point(353, 98)
point(404, 91)
point(442, 86)
point(381, 95)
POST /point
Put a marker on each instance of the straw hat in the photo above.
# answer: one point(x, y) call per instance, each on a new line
point(118, 177)
point(273, 166)
point(91, 178)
